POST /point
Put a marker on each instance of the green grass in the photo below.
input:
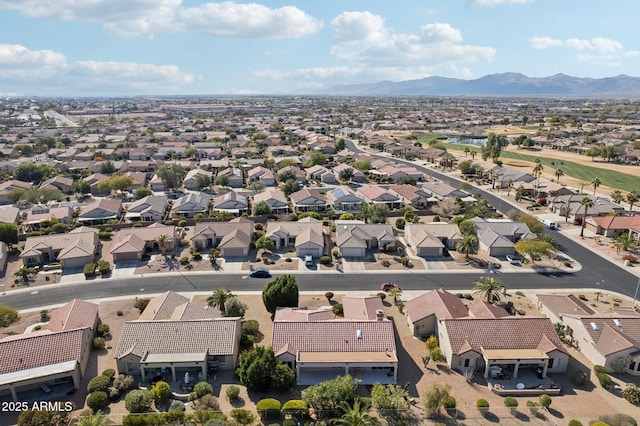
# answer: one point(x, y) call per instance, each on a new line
point(610, 178)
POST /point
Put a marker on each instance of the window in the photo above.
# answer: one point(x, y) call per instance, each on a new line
point(632, 366)
point(550, 363)
point(466, 362)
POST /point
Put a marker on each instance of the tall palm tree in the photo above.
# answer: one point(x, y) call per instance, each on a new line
point(395, 292)
point(91, 419)
point(488, 287)
point(624, 240)
point(632, 198)
point(356, 415)
point(537, 171)
point(586, 202)
point(468, 245)
point(162, 241)
point(559, 173)
point(219, 298)
point(617, 196)
point(595, 182)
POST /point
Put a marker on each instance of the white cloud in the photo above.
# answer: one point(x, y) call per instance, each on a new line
point(598, 44)
point(46, 71)
point(497, 2)
point(147, 17)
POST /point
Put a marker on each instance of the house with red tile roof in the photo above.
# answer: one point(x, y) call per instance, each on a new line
point(424, 312)
point(131, 243)
point(319, 348)
point(612, 226)
point(54, 357)
point(101, 211)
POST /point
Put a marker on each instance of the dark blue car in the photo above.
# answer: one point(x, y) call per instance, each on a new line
point(259, 273)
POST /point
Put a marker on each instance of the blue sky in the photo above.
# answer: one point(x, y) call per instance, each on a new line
point(137, 47)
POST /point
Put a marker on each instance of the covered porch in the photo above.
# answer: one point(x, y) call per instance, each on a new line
point(508, 363)
point(368, 367)
point(174, 367)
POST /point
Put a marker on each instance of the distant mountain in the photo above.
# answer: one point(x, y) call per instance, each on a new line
point(505, 84)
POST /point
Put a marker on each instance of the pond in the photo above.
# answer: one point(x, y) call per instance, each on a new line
point(466, 140)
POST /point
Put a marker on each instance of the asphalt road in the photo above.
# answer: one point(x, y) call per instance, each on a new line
point(595, 271)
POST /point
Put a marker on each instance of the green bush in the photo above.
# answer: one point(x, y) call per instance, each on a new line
point(325, 260)
point(545, 401)
point(137, 225)
point(161, 391)
point(618, 420)
point(7, 316)
point(431, 343)
point(288, 260)
point(436, 354)
point(89, 270)
point(103, 331)
point(296, 408)
point(104, 267)
point(578, 377)
point(99, 343)
point(105, 236)
point(482, 403)
point(201, 389)
point(268, 408)
point(138, 401)
point(98, 383)
point(233, 393)
point(114, 395)
point(575, 423)
point(168, 222)
point(182, 223)
point(176, 406)
point(251, 327)
point(449, 402)
point(599, 369)
point(123, 382)
point(338, 309)
point(141, 304)
point(604, 379)
point(242, 416)
point(382, 295)
point(97, 400)
point(510, 402)
point(632, 394)
point(110, 373)
point(184, 260)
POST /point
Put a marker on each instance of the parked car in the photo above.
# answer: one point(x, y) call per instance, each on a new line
point(259, 273)
point(512, 259)
point(388, 286)
point(308, 260)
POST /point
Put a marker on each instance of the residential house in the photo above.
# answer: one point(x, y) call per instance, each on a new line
point(73, 250)
point(321, 174)
point(425, 312)
point(139, 179)
point(234, 175)
point(275, 198)
point(11, 185)
point(9, 214)
point(231, 202)
point(356, 175)
point(355, 237)
point(43, 216)
point(432, 239)
point(411, 195)
point(194, 179)
point(571, 204)
point(299, 174)
point(151, 208)
point(101, 211)
point(130, 244)
point(261, 174)
point(374, 194)
point(93, 180)
point(343, 199)
point(306, 200)
point(26, 368)
point(64, 184)
point(498, 237)
point(233, 238)
point(318, 348)
point(395, 173)
point(156, 184)
point(504, 177)
point(305, 235)
point(612, 226)
point(512, 343)
point(441, 190)
point(191, 204)
point(175, 342)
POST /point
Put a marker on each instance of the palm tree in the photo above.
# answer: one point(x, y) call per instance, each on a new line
point(219, 298)
point(466, 150)
point(632, 198)
point(624, 241)
point(91, 419)
point(537, 171)
point(488, 287)
point(595, 182)
point(356, 415)
point(25, 272)
point(395, 292)
point(162, 241)
point(586, 202)
point(559, 173)
point(617, 196)
point(468, 245)
point(509, 186)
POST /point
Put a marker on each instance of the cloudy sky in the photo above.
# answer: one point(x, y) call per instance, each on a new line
point(134, 47)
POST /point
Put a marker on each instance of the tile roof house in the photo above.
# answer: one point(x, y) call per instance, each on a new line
point(190, 204)
point(9, 214)
point(411, 195)
point(305, 235)
point(343, 199)
point(231, 202)
point(275, 198)
point(308, 200)
point(151, 208)
point(10, 185)
point(192, 180)
point(61, 183)
point(300, 176)
point(612, 226)
point(177, 344)
point(234, 175)
point(233, 238)
point(432, 239)
point(93, 180)
point(54, 357)
point(441, 190)
point(39, 215)
point(101, 211)
point(601, 206)
point(263, 175)
point(374, 194)
point(354, 237)
point(131, 243)
point(357, 175)
point(319, 348)
point(173, 306)
point(498, 237)
point(321, 174)
point(425, 311)
point(73, 249)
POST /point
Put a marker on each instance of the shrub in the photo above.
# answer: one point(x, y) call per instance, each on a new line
point(138, 401)
point(176, 406)
point(251, 327)
point(338, 309)
point(522, 312)
point(386, 263)
point(510, 402)
point(123, 382)
point(114, 395)
point(632, 394)
point(449, 402)
point(119, 313)
point(184, 260)
point(207, 402)
point(103, 331)
point(99, 343)
point(618, 420)
point(604, 379)
point(482, 403)
point(233, 393)
point(545, 401)
point(400, 223)
point(599, 369)
point(161, 391)
point(89, 270)
point(575, 423)
point(436, 354)
point(296, 408)
point(197, 257)
point(242, 416)
point(382, 296)
point(268, 408)
point(110, 373)
point(325, 260)
point(582, 297)
point(216, 422)
point(141, 304)
point(519, 293)
point(201, 389)
point(98, 383)
point(336, 253)
point(97, 400)
point(288, 260)
point(468, 296)
point(431, 343)
point(182, 223)
point(234, 307)
point(137, 225)
point(578, 377)
point(104, 236)
point(168, 222)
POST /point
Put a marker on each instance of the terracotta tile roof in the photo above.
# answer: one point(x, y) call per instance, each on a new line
point(75, 314)
point(189, 311)
point(481, 309)
point(565, 304)
point(41, 349)
point(503, 333)
point(333, 336)
point(617, 222)
point(608, 336)
point(362, 308)
point(215, 336)
point(303, 314)
point(162, 307)
point(611, 341)
point(440, 303)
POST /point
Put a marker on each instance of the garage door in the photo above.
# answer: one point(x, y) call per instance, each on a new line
point(312, 251)
point(233, 252)
point(352, 252)
point(125, 257)
point(76, 263)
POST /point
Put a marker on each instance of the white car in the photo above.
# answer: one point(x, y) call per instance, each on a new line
point(308, 260)
point(512, 259)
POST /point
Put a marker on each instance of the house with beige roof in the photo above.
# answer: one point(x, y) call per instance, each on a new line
point(344, 199)
point(498, 237)
point(374, 194)
point(175, 338)
point(44, 215)
point(411, 195)
point(193, 178)
point(305, 235)
point(432, 239)
point(307, 200)
point(190, 204)
point(151, 208)
point(231, 202)
point(356, 176)
point(101, 211)
point(355, 237)
point(52, 359)
point(11, 185)
point(424, 312)
point(233, 238)
point(131, 243)
point(234, 175)
point(73, 250)
point(275, 198)
point(261, 174)
point(318, 348)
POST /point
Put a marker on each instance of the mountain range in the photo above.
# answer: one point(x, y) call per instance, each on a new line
point(504, 84)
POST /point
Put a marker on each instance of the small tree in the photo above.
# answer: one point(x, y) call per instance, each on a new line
point(161, 391)
point(282, 291)
point(201, 389)
point(233, 393)
point(98, 383)
point(545, 401)
point(329, 295)
point(7, 316)
point(97, 400)
point(138, 401)
point(434, 398)
point(123, 382)
point(242, 416)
